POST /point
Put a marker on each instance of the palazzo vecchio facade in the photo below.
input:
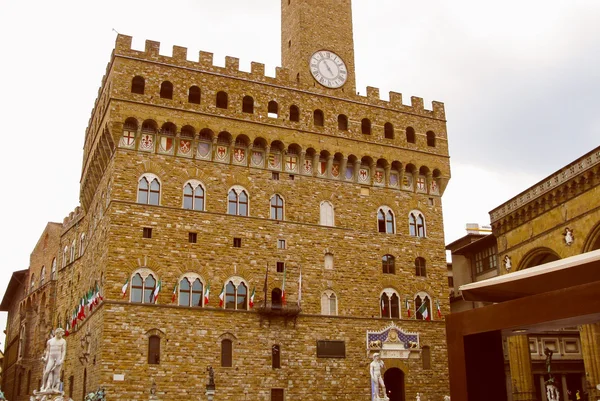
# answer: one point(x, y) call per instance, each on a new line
point(200, 181)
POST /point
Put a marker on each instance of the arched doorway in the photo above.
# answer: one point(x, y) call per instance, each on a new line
point(394, 384)
point(276, 298)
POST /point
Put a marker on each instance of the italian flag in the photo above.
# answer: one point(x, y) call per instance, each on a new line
point(207, 294)
point(81, 313)
point(174, 296)
point(90, 300)
point(156, 291)
point(222, 297)
point(124, 288)
point(74, 318)
point(439, 311)
point(252, 297)
point(98, 296)
point(283, 300)
point(424, 312)
point(407, 306)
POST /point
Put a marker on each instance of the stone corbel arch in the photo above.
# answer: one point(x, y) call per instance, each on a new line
point(592, 242)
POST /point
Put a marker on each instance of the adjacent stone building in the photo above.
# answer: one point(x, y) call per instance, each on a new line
point(279, 229)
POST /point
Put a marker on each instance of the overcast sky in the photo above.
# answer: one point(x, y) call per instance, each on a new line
point(520, 80)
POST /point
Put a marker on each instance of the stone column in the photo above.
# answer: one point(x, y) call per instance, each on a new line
point(590, 348)
point(267, 153)
point(543, 387)
point(519, 360)
point(343, 164)
point(428, 179)
point(563, 381)
point(387, 170)
point(328, 168)
point(301, 157)
point(357, 165)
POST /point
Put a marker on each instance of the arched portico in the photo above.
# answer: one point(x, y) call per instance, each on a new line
point(537, 257)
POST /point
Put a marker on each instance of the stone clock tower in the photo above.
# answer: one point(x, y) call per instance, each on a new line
point(317, 45)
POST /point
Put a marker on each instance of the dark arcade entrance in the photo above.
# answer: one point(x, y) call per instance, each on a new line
point(394, 384)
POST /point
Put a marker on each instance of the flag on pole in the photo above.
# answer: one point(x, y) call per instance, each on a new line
point(300, 287)
point(98, 296)
point(424, 311)
point(81, 313)
point(252, 297)
point(222, 297)
point(74, 318)
point(439, 311)
point(207, 294)
point(174, 296)
point(124, 288)
point(407, 306)
point(265, 288)
point(283, 300)
point(156, 292)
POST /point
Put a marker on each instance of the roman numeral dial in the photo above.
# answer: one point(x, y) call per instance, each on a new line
point(328, 69)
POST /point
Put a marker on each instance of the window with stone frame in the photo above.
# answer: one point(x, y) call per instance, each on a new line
point(385, 220)
point(276, 356)
point(42, 276)
point(143, 284)
point(154, 350)
point(329, 305)
point(389, 304)
point(486, 259)
point(65, 256)
point(248, 104)
point(149, 190)
point(276, 207)
point(137, 85)
point(222, 100)
point(226, 353)
point(388, 264)
point(193, 195)
point(273, 109)
point(32, 282)
point(236, 294)
point(73, 253)
point(166, 90)
point(416, 224)
point(191, 291)
point(53, 271)
point(194, 95)
point(420, 267)
point(294, 113)
point(326, 214)
point(81, 244)
point(237, 202)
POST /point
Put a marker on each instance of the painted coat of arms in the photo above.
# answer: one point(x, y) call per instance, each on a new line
point(221, 153)
point(349, 172)
point(363, 175)
point(204, 150)
point(147, 142)
point(407, 182)
point(421, 184)
point(166, 144)
point(394, 180)
point(308, 166)
point(257, 158)
point(434, 187)
point(274, 160)
point(335, 170)
point(291, 163)
point(239, 155)
point(128, 139)
point(185, 145)
point(378, 177)
point(322, 167)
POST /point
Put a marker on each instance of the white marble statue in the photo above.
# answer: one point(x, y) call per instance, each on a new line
point(56, 349)
point(552, 393)
point(418, 397)
point(377, 385)
point(446, 398)
point(569, 236)
point(507, 263)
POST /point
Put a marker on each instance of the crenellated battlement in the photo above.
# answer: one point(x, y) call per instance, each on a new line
point(282, 77)
point(72, 218)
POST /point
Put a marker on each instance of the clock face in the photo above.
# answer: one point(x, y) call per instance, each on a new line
point(328, 69)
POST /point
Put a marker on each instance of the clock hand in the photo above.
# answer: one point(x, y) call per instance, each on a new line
point(329, 68)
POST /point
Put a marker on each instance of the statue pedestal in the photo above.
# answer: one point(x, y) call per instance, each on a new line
point(210, 394)
point(376, 398)
point(49, 395)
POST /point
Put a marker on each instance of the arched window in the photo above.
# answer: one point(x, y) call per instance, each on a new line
point(32, 282)
point(149, 190)
point(137, 85)
point(276, 356)
point(390, 304)
point(65, 255)
point(277, 207)
point(420, 267)
point(273, 109)
point(343, 122)
point(385, 220)
point(326, 214)
point(423, 307)
point(318, 118)
point(294, 113)
point(166, 90)
point(410, 135)
point(193, 195)
point(329, 303)
point(81, 244)
point(236, 294)
point(237, 202)
point(388, 264)
point(194, 95)
point(153, 350)
point(72, 256)
point(426, 355)
point(53, 273)
point(191, 291)
point(416, 224)
point(226, 353)
point(388, 131)
point(431, 139)
point(143, 286)
point(222, 100)
point(248, 104)
point(42, 276)
point(366, 126)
